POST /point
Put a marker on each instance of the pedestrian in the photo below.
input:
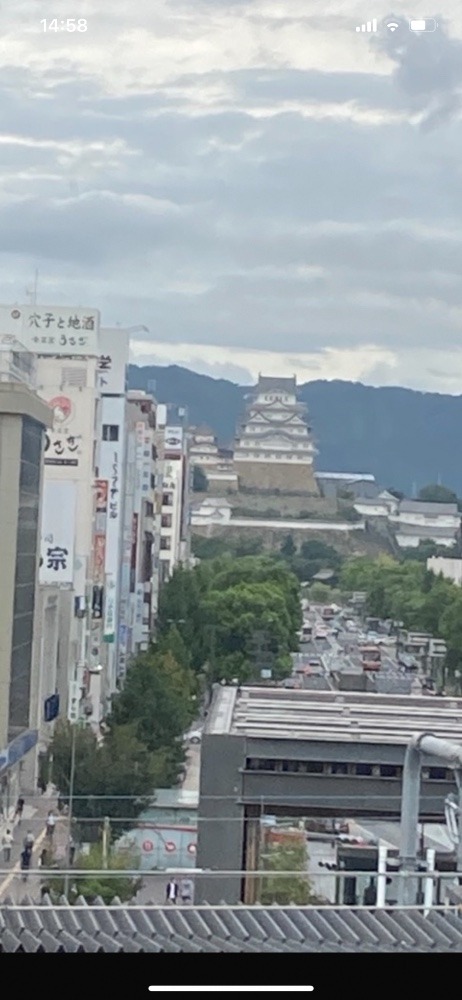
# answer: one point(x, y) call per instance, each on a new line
point(51, 823)
point(71, 851)
point(44, 891)
point(19, 809)
point(25, 863)
point(29, 841)
point(186, 890)
point(171, 894)
point(43, 861)
point(7, 844)
point(42, 786)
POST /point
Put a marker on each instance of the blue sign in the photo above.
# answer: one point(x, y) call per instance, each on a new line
point(51, 708)
point(18, 748)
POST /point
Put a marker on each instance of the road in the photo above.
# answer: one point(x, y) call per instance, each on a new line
point(36, 809)
point(340, 653)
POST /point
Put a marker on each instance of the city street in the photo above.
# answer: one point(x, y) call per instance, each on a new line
point(34, 817)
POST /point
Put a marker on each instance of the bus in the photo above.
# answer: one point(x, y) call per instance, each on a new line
point(371, 658)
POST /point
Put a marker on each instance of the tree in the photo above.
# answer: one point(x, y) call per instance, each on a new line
point(200, 482)
point(157, 701)
point(434, 493)
point(97, 884)
point(116, 778)
point(289, 889)
point(238, 613)
point(288, 547)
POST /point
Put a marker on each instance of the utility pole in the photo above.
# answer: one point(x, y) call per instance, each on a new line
point(106, 841)
point(71, 803)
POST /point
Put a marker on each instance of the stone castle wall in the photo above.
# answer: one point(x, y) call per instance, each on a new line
point(354, 543)
point(268, 476)
point(282, 504)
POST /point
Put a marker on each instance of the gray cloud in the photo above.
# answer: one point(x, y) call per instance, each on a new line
point(259, 205)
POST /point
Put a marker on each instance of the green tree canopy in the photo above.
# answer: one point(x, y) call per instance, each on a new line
point(96, 884)
point(435, 493)
point(113, 778)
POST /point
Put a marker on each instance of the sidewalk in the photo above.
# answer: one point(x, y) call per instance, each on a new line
point(36, 809)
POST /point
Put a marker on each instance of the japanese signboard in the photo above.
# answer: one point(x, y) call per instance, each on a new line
point(110, 609)
point(173, 441)
point(57, 532)
point(112, 361)
point(99, 557)
point(53, 330)
point(63, 445)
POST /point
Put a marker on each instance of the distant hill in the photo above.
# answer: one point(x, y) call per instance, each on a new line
point(405, 438)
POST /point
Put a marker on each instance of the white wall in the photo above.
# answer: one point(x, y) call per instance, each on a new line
point(451, 569)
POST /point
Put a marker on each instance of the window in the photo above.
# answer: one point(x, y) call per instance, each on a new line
point(166, 544)
point(166, 521)
point(167, 500)
point(110, 432)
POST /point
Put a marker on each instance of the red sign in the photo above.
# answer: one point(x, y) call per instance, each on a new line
point(170, 847)
point(148, 846)
point(102, 489)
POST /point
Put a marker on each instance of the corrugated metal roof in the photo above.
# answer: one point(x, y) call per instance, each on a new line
point(28, 927)
point(277, 713)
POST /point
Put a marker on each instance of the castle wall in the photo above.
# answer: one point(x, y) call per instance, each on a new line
point(277, 476)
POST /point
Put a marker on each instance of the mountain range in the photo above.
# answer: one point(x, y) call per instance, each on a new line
point(405, 438)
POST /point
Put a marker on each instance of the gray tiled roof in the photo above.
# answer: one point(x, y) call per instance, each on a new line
point(422, 507)
point(116, 928)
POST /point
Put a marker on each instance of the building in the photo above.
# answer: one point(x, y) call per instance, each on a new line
point(274, 450)
point(417, 521)
point(175, 498)
point(107, 623)
point(203, 448)
point(68, 383)
point(140, 563)
point(307, 754)
point(230, 931)
point(24, 419)
point(451, 569)
point(356, 484)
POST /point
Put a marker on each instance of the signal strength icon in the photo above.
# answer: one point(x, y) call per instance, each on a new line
point(368, 26)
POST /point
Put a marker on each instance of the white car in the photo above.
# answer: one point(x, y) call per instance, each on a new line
point(194, 736)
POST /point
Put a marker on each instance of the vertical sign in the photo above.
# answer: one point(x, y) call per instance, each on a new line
point(113, 361)
point(99, 540)
point(57, 532)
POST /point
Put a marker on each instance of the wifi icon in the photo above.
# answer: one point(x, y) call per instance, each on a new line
point(392, 25)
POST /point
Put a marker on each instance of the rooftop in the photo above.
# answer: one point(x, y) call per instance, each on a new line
point(332, 716)
point(29, 928)
point(269, 384)
point(349, 477)
point(420, 507)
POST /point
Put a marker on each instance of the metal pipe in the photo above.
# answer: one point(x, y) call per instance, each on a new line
point(442, 749)
point(428, 890)
point(425, 743)
point(382, 877)
point(409, 823)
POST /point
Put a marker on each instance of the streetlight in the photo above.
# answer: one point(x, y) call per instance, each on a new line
point(71, 803)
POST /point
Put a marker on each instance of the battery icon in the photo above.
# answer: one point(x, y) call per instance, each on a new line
point(423, 24)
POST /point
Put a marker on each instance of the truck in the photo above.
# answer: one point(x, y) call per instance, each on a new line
point(371, 658)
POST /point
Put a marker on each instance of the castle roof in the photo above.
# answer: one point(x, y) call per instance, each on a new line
point(268, 384)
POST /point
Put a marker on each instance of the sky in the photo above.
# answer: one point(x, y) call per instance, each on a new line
point(261, 187)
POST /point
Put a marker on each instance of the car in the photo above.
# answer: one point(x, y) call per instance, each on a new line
point(194, 736)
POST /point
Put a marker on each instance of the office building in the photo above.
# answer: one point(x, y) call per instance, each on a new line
point(24, 419)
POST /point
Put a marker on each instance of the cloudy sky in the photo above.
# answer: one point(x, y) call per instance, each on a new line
point(260, 185)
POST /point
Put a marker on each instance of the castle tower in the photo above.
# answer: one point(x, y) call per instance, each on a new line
point(274, 449)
